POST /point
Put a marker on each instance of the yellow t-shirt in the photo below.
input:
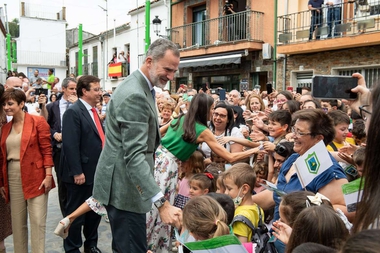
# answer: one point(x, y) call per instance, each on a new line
point(252, 214)
point(339, 145)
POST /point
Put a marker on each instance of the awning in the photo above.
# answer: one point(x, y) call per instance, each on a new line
point(210, 61)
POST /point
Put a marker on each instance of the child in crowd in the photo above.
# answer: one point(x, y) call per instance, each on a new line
point(201, 184)
point(359, 157)
point(239, 181)
point(291, 206)
point(261, 170)
point(226, 202)
point(220, 188)
point(188, 168)
point(341, 122)
point(358, 132)
point(204, 218)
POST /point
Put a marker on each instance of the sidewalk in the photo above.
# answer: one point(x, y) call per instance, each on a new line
point(54, 243)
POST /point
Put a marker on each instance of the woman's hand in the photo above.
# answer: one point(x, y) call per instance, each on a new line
point(257, 136)
point(47, 183)
point(269, 146)
point(282, 231)
point(224, 140)
point(2, 192)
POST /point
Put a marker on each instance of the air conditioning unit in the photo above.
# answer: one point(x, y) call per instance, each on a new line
point(267, 51)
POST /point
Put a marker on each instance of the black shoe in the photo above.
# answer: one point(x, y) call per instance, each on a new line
point(92, 250)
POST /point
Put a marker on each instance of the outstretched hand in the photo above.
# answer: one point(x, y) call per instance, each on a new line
point(171, 215)
point(282, 231)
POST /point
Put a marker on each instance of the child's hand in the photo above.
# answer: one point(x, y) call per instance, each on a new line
point(282, 231)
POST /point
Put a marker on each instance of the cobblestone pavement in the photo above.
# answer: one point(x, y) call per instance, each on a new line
point(54, 243)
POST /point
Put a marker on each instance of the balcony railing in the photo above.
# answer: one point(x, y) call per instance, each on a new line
point(354, 19)
point(41, 58)
point(242, 26)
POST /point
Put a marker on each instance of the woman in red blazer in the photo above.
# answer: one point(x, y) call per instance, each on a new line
point(26, 171)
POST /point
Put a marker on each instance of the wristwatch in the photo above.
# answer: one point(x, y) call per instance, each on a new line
point(160, 202)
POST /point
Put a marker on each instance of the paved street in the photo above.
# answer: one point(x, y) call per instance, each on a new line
point(53, 242)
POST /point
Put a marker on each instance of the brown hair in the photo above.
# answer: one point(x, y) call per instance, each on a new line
point(14, 94)
point(205, 181)
point(319, 224)
point(205, 217)
point(241, 173)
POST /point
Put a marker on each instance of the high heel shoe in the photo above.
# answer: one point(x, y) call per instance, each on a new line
point(61, 227)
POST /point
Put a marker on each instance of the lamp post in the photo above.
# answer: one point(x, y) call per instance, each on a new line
point(105, 44)
point(156, 25)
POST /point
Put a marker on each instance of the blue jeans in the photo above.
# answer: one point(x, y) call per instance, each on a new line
point(334, 18)
point(316, 21)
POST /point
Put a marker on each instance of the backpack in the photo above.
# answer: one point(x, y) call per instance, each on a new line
point(260, 235)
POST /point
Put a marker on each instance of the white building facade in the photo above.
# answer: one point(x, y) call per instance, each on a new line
point(42, 42)
point(129, 37)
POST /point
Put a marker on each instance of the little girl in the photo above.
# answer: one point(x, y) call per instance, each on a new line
point(190, 167)
point(201, 184)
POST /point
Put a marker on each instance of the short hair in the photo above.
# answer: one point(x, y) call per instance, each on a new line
point(241, 173)
point(315, 102)
point(332, 102)
point(358, 129)
point(168, 106)
point(84, 82)
point(203, 216)
point(226, 202)
point(206, 181)
point(65, 82)
point(319, 123)
point(158, 48)
point(14, 94)
point(284, 149)
point(339, 117)
point(261, 168)
point(294, 202)
point(51, 70)
point(308, 228)
point(281, 116)
point(359, 156)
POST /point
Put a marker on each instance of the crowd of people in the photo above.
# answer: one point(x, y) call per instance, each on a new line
point(150, 161)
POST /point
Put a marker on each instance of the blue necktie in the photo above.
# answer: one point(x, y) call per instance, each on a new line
point(153, 94)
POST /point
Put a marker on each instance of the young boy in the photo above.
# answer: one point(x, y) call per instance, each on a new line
point(341, 122)
point(239, 181)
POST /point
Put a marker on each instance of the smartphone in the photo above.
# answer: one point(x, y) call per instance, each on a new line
point(249, 122)
point(334, 87)
point(222, 94)
point(289, 88)
point(41, 91)
point(299, 90)
point(204, 87)
point(269, 88)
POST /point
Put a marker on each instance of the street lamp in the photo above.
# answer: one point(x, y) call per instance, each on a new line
point(157, 25)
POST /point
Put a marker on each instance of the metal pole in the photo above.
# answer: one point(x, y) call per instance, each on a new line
point(147, 25)
point(106, 43)
point(275, 46)
point(9, 57)
point(80, 52)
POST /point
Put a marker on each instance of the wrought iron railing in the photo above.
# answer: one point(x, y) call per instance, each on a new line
point(245, 25)
point(356, 17)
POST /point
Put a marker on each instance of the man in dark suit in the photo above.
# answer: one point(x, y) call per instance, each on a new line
point(55, 113)
point(82, 142)
point(124, 179)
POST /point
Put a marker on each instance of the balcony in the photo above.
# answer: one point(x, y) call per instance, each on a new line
point(243, 29)
point(359, 26)
point(33, 58)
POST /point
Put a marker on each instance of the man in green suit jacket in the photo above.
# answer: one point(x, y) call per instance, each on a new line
point(124, 180)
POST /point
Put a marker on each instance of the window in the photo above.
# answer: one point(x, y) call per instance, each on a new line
point(95, 61)
point(85, 62)
point(303, 78)
point(199, 29)
point(371, 74)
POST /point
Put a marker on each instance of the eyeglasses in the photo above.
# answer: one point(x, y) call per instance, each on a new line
point(299, 134)
point(222, 116)
point(363, 112)
point(281, 150)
